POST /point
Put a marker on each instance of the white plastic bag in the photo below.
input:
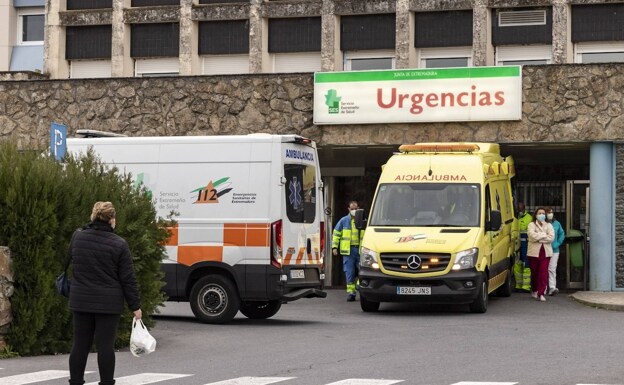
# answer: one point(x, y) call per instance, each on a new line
point(141, 342)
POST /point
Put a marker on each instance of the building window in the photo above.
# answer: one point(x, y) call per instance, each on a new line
point(89, 4)
point(223, 37)
point(523, 55)
point(89, 69)
point(597, 22)
point(156, 67)
point(445, 57)
point(225, 64)
point(521, 26)
point(155, 40)
point(297, 62)
point(31, 24)
point(151, 3)
point(369, 60)
point(368, 32)
point(89, 42)
point(599, 52)
point(301, 34)
point(443, 29)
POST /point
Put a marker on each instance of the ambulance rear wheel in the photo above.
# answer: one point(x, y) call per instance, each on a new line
point(368, 306)
point(260, 309)
point(214, 299)
point(480, 304)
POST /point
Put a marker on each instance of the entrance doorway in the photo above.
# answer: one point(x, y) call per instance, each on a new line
point(577, 233)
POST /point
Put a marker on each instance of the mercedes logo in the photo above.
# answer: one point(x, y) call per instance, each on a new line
point(413, 262)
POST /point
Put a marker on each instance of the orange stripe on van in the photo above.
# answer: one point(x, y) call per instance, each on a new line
point(173, 236)
point(300, 255)
point(234, 234)
point(258, 235)
point(189, 255)
point(288, 258)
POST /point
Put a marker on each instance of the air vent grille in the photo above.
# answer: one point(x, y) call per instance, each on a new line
point(521, 18)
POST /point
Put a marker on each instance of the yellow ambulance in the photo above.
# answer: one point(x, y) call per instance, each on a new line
point(441, 228)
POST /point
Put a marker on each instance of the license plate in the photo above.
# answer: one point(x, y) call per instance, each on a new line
point(410, 290)
point(297, 274)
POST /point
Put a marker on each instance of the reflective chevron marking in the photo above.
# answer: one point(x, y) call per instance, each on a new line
point(252, 381)
point(145, 378)
point(365, 381)
point(30, 378)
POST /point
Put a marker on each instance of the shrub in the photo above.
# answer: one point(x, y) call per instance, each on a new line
point(41, 203)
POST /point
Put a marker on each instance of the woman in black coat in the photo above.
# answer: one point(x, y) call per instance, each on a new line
point(103, 277)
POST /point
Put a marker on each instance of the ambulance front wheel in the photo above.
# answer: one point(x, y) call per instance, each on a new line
point(260, 309)
point(368, 306)
point(214, 299)
point(480, 304)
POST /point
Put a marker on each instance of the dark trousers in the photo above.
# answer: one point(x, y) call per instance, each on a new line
point(102, 327)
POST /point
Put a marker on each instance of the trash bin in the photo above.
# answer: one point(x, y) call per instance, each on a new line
point(575, 239)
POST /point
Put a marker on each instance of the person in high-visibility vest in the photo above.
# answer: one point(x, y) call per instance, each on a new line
point(522, 271)
point(346, 240)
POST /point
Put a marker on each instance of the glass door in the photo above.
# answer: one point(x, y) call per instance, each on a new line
point(577, 233)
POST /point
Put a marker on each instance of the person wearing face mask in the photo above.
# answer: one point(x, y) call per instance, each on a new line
point(559, 238)
point(539, 251)
point(522, 271)
point(346, 240)
point(103, 278)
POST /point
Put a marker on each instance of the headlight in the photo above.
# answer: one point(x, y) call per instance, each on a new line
point(368, 258)
point(466, 259)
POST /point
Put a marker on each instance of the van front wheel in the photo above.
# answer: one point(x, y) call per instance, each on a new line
point(480, 304)
point(260, 309)
point(368, 306)
point(214, 299)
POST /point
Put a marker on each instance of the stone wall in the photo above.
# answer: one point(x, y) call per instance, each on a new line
point(579, 103)
point(6, 291)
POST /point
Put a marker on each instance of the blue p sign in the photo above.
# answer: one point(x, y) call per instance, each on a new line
point(58, 141)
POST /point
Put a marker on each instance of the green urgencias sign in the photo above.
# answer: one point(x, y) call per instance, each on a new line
point(418, 95)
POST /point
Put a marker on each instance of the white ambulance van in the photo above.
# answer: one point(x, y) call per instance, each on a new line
point(249, 231)
point(441, 228)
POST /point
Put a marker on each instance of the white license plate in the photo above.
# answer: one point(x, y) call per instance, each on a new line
point(410, 290)
point(297, 274)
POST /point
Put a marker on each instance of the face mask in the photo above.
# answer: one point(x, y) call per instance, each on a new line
point(352, 212)
point(550, 216)
point(521, 213)
point(541, 217)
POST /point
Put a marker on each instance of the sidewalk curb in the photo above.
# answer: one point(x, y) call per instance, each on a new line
point(608, 301)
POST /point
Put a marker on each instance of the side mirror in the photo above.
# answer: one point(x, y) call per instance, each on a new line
point(360, 222)
point(495, 222)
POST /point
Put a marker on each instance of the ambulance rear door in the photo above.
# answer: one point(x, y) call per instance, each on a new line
point(301, 210)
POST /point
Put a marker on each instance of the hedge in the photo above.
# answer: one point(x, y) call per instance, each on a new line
point(42, 202)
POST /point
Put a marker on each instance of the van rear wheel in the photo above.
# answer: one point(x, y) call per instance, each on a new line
point(214, 299)
point(368, 306)
point(260, 309)
point(480, 304)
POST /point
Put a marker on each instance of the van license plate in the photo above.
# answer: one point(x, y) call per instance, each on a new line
point(297, 274)
point(408, 290)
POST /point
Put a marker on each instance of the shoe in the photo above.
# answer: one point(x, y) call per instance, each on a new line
point(542, 298)
point(534, 294)
point(552, 292)
point(350, 298)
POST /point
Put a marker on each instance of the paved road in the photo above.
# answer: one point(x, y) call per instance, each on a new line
point(329, 341)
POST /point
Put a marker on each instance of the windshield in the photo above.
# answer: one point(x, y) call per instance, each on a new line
point(426, 204)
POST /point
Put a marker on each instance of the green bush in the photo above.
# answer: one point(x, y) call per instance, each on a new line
point(42, 202)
